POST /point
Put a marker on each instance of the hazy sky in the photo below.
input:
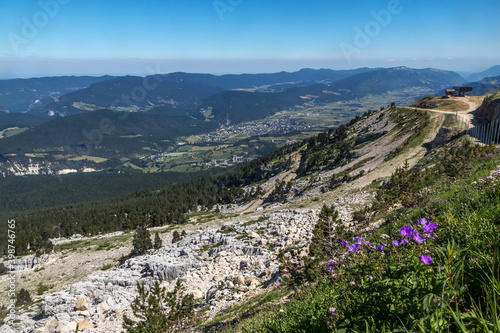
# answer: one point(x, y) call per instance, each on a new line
point(75, 37)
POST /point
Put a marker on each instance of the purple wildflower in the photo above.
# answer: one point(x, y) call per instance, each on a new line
point(425, 259)
point(430, 227)
point(396, 243)
point(419, 239)
point(422, 221)
point(367, 243)
point(380, 248)
point(353, 247)
point(404, 241)
point(332, 310)
point(344, 242)
point(407, 231)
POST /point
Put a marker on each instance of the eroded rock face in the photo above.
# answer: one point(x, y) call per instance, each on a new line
point(217, 266)
point(490, 108)
point(28, 262)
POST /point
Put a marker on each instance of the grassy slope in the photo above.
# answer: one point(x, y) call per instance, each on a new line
point(393, 290)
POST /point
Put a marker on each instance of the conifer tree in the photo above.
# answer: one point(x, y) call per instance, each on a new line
point(141, 242)
point(160, 311)
point(324, 233)
point(176, 237)
point(157, 242)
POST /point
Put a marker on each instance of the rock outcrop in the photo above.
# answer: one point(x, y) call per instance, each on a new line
point(490, 108)
point(27, 262)
point(218, 266)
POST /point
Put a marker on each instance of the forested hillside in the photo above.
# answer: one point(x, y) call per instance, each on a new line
point(237, 186)
point(109, 134)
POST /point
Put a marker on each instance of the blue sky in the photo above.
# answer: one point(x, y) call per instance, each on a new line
point(79, 37)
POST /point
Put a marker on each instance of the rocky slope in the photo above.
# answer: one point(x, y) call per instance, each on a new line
point(218, 266)
point(237, 259)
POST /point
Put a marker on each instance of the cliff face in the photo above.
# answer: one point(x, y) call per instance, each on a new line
point(491, 107)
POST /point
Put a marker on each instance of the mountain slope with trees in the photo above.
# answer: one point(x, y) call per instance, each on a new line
point(22, 95)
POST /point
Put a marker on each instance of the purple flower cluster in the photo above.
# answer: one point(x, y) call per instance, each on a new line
point(355, 246)
point(330, 266)
point(407, 231)
point(419, 239)
point(425, 259)
point(429, 227)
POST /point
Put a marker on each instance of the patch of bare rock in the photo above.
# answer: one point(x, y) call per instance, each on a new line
point(218, 266)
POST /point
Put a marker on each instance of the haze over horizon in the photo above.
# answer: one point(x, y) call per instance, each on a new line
point(71, 37)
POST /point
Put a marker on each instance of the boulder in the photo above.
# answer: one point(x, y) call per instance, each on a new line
point(85, 313)
point(240, 280)
point(83, 305)
point(103, 308)
point(42, 330)
point(211, 294)
point(64, 329)
point(252, 234)
point(52, 323)
point(197, 294)
point(244, 264)
point(82, 324)
point(253, 282)
point(72, 326)
point(218, 278)
point(252, 251)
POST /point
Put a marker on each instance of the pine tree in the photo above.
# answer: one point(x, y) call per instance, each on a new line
point(141, 242)
point(157, 242)
point(324, 233)
point(160, 311)
point(176, 237)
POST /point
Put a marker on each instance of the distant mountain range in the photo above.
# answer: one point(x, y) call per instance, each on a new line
point(22, 95)
point(237, 98)
point(145, 111)
point(490, 72)
point(71, 94)
point(485, 85)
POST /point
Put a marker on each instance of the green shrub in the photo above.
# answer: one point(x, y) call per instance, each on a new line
point(23, 297)
point(42, 288)
point(3, 269)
